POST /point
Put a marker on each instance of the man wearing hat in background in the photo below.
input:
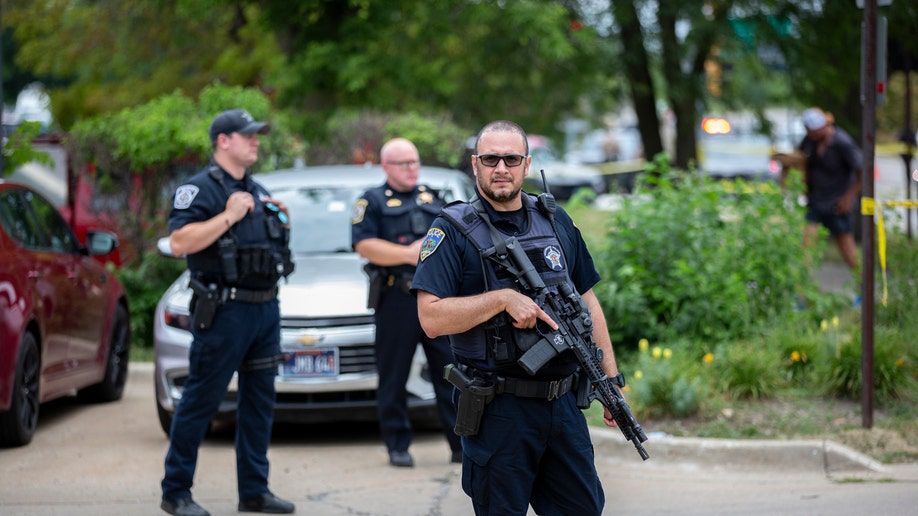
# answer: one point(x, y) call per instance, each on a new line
point(833, 182)
point(237, 250)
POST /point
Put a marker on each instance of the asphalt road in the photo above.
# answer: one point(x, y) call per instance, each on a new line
point(107, 460)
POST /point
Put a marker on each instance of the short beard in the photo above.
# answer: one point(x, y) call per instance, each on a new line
point(504, 197)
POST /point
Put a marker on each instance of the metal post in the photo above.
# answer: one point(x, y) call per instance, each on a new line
point(868, 124)
point(909, 140)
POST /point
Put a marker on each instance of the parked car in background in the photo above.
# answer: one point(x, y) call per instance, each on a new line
point(728, 151)
point(71, 192)
point(563, 177)
point(64, 323)
point(327, 331)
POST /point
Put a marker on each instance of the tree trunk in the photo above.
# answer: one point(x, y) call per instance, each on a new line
point(637, 72)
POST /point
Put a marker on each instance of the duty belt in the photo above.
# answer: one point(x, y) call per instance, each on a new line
point(545, 389)
point(249, 296)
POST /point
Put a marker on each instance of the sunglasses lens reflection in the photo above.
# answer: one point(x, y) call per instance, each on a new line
point(491, 160)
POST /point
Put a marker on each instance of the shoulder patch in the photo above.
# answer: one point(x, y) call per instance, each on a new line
point(360, 209)
point(431, 242)
point(184, 195)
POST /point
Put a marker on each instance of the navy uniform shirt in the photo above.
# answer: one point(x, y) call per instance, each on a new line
point(203, 197)
point(451, 265)
point(397, 217)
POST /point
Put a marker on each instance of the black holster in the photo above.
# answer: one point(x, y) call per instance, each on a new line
point(204, 303)
point(474, 395)
point(377, 277)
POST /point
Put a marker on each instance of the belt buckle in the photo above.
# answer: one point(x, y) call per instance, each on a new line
point(554, 387)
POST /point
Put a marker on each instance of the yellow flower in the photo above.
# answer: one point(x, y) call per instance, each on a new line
point(900, 362)
point(708, 358)
point(824, 325)
point(667, 353)
point(656, 352)
point(835, 322)
point(638, 374)
point(795, 356)
point(643, 345)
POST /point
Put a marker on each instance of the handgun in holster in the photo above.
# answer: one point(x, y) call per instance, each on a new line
point(205, 302)
point(474, 395)
point(377, 277)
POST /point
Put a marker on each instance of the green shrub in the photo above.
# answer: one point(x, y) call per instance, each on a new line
point(894, 366)
point(745, 371)
point(663, 383)
point(145, 283)
point(688, 257)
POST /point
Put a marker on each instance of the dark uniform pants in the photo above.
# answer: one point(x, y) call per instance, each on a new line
point(241, 333)
point(532, 451)
point(398, 331)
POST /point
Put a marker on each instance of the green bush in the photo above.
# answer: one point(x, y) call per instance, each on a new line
point(694, 258)
point(664, 382)
point(747, 371)
point(145, 284)
point(894, 366)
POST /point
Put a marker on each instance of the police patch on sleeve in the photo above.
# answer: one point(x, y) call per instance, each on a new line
point(184, 195)
point(360, 209)
point(431, 241)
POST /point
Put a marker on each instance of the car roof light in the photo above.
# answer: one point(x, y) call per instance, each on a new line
point(715, 126)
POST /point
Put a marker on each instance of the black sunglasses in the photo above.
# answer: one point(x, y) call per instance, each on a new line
point(491, 160)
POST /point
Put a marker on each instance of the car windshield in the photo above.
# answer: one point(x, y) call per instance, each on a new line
point(320, 218)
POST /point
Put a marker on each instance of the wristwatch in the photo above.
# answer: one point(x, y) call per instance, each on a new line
point(618, 379)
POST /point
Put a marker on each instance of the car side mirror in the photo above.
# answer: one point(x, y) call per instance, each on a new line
point(99, 243)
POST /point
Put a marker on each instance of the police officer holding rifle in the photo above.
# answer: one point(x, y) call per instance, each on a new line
point(529, 444)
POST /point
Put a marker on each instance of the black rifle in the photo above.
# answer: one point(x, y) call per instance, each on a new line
point(575, 325)
point(575, 332)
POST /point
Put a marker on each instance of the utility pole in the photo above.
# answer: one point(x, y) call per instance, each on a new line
point(868, 126)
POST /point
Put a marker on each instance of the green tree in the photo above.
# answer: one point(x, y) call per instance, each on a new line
point(532, 61)
point(106, 56)
point(136, 155)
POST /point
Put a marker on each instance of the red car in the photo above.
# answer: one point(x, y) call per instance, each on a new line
point(64, 323)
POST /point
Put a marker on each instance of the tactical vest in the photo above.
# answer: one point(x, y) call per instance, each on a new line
point(504, 343)
point(404, 222)
point(233, 260)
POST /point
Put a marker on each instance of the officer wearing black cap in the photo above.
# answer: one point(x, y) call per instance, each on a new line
point(387, 226)
point(235, 238)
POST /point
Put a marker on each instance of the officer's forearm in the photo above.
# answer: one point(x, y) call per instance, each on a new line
point(386, 254)
point(453, 315)
point(197, 236)
point(601, 333)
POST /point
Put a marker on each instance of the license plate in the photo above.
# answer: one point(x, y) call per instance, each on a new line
point(307, 363)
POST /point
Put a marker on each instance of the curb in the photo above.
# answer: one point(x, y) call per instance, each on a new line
point(799, 455)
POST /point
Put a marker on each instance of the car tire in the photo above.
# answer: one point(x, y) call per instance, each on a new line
point(17, 425)
point(111, 387)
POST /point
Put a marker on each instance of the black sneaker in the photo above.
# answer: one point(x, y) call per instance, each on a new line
point(183, 507)
point(267, 503)
point(401, 459)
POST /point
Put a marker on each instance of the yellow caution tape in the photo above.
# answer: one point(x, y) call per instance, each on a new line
point(868, 207)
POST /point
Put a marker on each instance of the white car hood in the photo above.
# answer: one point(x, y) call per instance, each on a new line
point(325, 285)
